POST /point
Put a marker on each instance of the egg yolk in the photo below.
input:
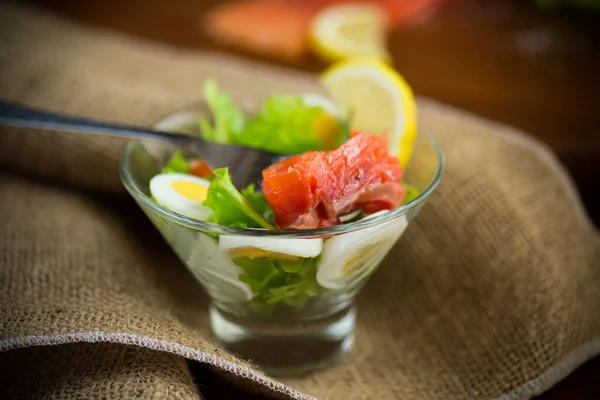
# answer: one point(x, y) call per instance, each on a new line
point(358, 260)
point(190, 190)
point(253, 252)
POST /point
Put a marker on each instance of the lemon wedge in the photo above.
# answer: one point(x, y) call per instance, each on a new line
point(350, 30)
point(377, 99)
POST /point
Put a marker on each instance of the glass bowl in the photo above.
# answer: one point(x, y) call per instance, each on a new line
point(295, 313)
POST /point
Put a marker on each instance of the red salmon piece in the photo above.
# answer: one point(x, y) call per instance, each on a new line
point(405, 11)
point(292, 188)
point(272, 28)
point(313, 189)
point(200, 168)
point(379, 197)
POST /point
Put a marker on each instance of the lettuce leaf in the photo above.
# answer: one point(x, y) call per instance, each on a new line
point(229, 120)
point(258, 272)
point(230, 207)
point(411, 193)
point(276, 281)
point(259, 203)
point(284, 124)
point(177, 164)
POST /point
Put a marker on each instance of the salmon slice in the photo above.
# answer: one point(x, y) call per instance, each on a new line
point(272, 28)
point(314, 189)
point(400, 12)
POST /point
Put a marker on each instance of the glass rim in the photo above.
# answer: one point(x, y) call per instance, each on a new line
point(289, 233)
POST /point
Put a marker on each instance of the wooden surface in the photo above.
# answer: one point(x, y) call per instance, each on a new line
point(503, 59)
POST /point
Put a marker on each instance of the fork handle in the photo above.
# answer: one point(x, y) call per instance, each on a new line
point(15, 115)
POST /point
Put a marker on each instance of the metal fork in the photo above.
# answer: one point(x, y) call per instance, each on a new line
point(245, 164)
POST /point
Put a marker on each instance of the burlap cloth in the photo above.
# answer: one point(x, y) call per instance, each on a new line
point(493, 292)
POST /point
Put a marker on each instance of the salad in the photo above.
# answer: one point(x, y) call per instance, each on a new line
point(339, 174)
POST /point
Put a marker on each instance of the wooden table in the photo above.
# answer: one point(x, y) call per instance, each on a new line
point(503, 59)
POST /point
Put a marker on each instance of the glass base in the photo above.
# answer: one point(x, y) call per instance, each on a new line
point(286, 350)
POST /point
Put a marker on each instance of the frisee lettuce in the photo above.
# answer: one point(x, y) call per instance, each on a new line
point(284, 124)
point(229, 120)
point(177, 164)
point(230, 207)
point(279, 281)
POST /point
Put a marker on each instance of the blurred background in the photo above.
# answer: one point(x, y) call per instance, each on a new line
point(532, 64)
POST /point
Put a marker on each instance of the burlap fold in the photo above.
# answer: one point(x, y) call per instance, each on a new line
point(491, 294)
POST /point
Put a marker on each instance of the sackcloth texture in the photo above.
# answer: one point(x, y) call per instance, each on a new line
point(492, 293)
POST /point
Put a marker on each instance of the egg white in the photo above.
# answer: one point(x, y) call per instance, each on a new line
point(294, 247)
point(162, 190)
point(374, 243)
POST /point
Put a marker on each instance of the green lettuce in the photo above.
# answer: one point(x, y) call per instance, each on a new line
point(278, 281)
point(284, 124)
point(230, 207)
point(259, 203)
point(411, 193)
point(229, 120)
point(177, 164)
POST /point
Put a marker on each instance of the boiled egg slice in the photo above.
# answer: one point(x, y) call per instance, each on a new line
point(255, 247)
point(251, 245)
point(349, 257)
point(182, 194)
